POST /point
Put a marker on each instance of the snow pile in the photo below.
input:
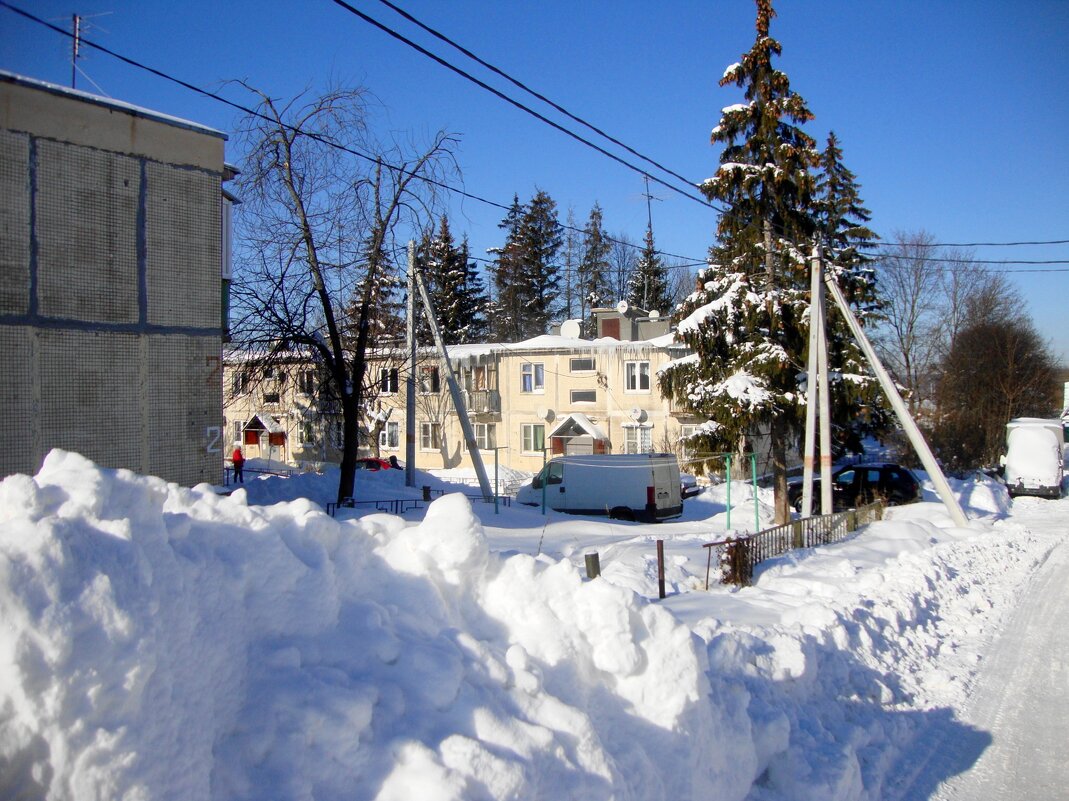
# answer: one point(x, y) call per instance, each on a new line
point(168, 643)
point(161, 642)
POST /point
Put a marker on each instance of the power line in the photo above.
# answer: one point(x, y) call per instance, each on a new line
point(533, 93)
point(312, 135)
point(542, 118)
point(973, 244)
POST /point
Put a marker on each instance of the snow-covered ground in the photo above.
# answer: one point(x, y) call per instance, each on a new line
point(159, 642)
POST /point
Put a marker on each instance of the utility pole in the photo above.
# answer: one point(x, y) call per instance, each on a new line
point(76, 43)
point(410, 378)
point(935, 472)
point(451, 380)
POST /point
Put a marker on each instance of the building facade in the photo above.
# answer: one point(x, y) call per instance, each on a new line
point(112, 221)
point(526, 401)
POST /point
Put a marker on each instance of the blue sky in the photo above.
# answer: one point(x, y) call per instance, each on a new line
point(953, 115)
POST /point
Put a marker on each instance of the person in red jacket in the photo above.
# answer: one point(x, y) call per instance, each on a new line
point(239, 465)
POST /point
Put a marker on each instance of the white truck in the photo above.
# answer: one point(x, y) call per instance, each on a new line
point(640, 486)
point(1035, 457)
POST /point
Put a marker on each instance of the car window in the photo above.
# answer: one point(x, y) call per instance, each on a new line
point(556, 473)
point(872, 477)
point(845, 478)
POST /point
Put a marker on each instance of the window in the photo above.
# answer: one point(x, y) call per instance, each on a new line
point(485, 436)
point(238, 427)
point(241, 382)
point(534, 377)
point(534, 437)
point(390, 436)
point(584, 396)
point(308, 436)
point(271, 395)
point(429, 382)
point(306, 381)
point(686, 431)
point(583, 365)
point(638, 439)
point(637, 376)
point(388, 381)
point(477, 378)
point(430, 436)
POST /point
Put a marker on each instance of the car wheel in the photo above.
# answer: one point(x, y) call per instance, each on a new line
point(622, 513)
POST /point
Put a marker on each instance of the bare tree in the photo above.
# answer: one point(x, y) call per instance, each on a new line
point(911, 333)
point(623, 261)
point(323, 207)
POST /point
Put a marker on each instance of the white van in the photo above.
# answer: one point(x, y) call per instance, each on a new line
point(640, 486)
point(1035, 457)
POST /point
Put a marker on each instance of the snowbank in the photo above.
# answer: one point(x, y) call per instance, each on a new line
point(170, 643)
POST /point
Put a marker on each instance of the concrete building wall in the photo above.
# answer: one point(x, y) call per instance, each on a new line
point(110, 258)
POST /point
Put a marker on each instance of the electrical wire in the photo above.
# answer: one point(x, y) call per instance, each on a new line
point(522, 86)
point(542, 118)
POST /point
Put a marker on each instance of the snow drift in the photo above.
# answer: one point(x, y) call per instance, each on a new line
point(169, 643)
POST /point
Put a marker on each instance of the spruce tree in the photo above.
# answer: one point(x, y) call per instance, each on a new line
point(843, 233)
point(594, 286)
point(540, 242)
point(649, 287)
point(747, 322)
point(509, 285)
point(455, 287)
point(473, 303)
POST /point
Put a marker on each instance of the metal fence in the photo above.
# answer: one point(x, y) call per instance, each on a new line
point(739, 555)
point(398, 506)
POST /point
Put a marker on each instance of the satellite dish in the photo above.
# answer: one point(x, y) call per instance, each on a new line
point(655, 314)
point(638, 415)
point(622, 307)
point(571, 329)
point(544, 413)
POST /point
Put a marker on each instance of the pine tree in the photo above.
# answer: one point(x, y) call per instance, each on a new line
point(649, 287)
point(747, 322)
point(594, 287)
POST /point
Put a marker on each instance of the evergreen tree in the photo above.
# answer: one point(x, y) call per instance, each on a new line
point(509, 296)
point(455, 287)
point(649, 287)
point(594, 285)
point(747, 322)
point(473, 301)
point(526, 276)
point(843, 232)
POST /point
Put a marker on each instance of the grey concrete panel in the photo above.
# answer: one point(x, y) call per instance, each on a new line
point(183, 409)
point(87, 204)
point(17, 417)
point(184, 247)
point(89, 387)
point(14, 223)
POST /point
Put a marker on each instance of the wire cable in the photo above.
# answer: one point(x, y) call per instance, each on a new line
point(522, 86)
point(542, 118)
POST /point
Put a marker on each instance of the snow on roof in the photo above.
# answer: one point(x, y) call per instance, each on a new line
point(582, 422)
point(107, 102)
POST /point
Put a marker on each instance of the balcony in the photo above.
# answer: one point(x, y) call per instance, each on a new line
point(482, 401)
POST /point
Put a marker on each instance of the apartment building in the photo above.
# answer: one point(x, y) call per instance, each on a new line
point(113, 258)
point(525, 401)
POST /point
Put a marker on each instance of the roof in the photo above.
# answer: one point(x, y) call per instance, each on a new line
point(107, 102)
point(583, 423)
